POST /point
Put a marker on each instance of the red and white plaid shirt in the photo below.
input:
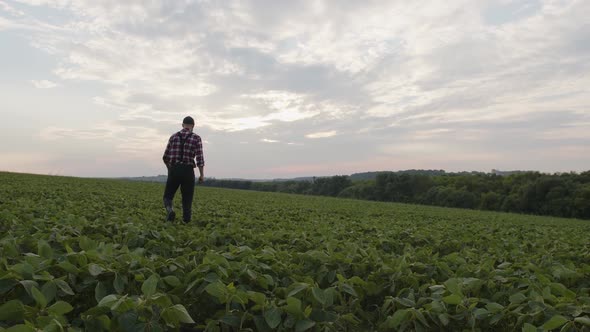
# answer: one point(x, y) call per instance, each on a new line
point(193, 148)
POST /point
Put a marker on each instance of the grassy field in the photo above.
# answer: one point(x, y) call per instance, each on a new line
point(97, 255)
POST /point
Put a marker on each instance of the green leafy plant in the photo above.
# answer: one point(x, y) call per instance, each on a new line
point(96, 255)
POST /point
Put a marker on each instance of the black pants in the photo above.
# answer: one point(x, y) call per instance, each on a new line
point(183, 176)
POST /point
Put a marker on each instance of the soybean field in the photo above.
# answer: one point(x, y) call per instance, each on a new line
point(96, 255)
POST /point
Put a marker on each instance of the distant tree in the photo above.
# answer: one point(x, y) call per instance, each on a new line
point(563, 194)
point(491, 201)
point(361, 190)
point(512, 203)
point(581, 201)
point(330, 186)
point(557, 202)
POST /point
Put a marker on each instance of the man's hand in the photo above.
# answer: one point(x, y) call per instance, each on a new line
point(201, 172)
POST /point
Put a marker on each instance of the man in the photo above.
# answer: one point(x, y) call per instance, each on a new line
point(182, 150)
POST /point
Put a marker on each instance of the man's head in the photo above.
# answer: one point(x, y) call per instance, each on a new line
point(188, 122)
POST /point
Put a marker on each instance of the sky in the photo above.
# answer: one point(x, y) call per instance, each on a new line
point(282, 89)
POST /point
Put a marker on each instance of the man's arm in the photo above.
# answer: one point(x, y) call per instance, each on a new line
point(200, 160)
point(166, 157)
point(201, 174)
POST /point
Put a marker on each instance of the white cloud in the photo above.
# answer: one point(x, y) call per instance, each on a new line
point(426, 71)
point(322, 134)
point(10, 9)
point(579, 133)
point(430, 133)
point(103, 131)
point(44, 84)
point(266, 140)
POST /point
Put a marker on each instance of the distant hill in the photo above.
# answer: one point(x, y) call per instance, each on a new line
point(163, 178)
point(353, 177)
point(507, 173)
point(157, 178)
point(373, 175)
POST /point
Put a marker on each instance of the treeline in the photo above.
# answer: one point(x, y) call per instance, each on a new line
point(561, 195)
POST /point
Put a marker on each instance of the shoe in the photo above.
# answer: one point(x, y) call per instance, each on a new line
point(171, 215)
point(186, 221)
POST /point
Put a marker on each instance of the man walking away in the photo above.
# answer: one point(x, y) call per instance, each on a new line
point(182, 150)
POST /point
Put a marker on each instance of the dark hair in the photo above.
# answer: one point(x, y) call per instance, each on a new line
point(188, 120)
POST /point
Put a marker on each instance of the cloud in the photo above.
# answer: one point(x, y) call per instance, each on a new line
point(11, 10)
point(423, 74)
point(44, 84)
point(96, 132)
point(322, 134)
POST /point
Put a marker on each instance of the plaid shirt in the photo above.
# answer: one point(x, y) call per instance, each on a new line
point(192, 149)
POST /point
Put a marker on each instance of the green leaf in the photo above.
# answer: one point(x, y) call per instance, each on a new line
point(319, 295)
point(172, 281)
point(39, 297)
point(349, 289)
point(123, 304)
point(49, 290)
point(273, 317)
point(60, 308)
point(95, 270)
point(555, 322)
point(29, 285)
point(68, 267)
point(183, 315)
point(12, 310)
point(149, 286)
point(7, 285)
point(44, 250)
point(560, 289)
point(298, 287)
point(444, 319)
point(405, 302)
point(105, 321)
point(453, 286)
point(528, 328)
point(100, 291)
point(582, 320)
point(481, 313)
point(420, 317)
point(453, 299)
point(128, 322)
point(398, 317)
point(257, 297)
point(161, 300)
point(350, 318)
point(260, 324)
point(64, 287)
point(20, 328)
point(217, 290)
point(517, 298)
point(119, 283)
point(494, 307)
point(294, 307)
point(175, 314)
point(87, 244)
point(108, 301)
point(231, 320)
point(215, 259)
point(304, 325)
point(11, 250)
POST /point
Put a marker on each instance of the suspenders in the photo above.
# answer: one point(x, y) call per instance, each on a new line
point(182, 141)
